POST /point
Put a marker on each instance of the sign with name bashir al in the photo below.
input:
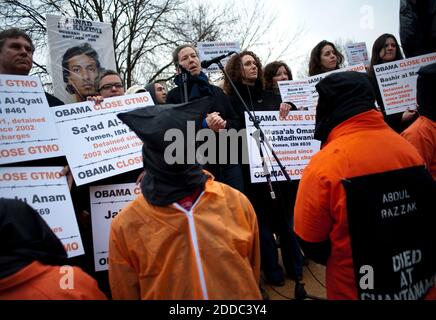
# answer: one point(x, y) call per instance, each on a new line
point(397, 82)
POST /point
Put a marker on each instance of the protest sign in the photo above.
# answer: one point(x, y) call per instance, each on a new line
point(290, 137)
point(106, 203)
point(298, 92)
point(210, 50)
point(46, 191)
point(79, 51)
point(96, 143)
point(397, 82)
point(357, 53)
point(27, 129)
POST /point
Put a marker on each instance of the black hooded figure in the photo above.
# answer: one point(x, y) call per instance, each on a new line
point(341, 96)
point(26, 237)
point(426, 94)
point(165, 183)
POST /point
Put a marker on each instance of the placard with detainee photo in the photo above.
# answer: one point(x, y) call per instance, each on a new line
point(79, 50)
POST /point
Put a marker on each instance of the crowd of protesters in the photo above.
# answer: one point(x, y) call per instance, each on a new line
point(205, 231)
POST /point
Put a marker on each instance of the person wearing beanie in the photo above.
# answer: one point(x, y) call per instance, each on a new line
point(186, 236)
point(135, 89)
point(422, 133)
point(364, 205)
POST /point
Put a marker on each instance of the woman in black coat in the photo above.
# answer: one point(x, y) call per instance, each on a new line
point(245, 70)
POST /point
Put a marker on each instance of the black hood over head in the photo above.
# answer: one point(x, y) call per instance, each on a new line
point(426, 91)
point(342, 95)
point(25, 237)
point(164, 183)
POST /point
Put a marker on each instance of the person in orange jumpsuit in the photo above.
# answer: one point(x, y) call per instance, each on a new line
point(33, 262)
point(357, 143)
point(186, 236)
point(422, 133)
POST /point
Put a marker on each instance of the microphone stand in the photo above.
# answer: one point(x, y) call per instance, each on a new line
point(255, 123)
point(184, 74)
point(299, 293)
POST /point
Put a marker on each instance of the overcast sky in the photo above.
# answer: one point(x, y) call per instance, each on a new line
point(356, 20)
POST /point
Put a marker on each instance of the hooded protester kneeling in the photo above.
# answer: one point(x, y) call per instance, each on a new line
point(33, 261)
point(186, 236)
point(364, 206)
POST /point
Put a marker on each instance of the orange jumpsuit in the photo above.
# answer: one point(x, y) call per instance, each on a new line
point(422, 134)
point(359, 146)
point(44, 282)
point(209, 252)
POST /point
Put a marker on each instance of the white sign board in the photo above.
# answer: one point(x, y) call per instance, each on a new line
point(357, 53)
point(79, 51)
point(46, 191)
point(96, 143)
point(290, 137)
point(313, 81)
point(298, 92)
point(397, 82)
point(106, 203)
point(27, 129)
point(210, 50)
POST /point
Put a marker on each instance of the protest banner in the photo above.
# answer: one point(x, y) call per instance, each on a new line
point(397, 82)
point(212, 49)
point(298, 92)
point(290, 137)
point(96, 143)
point(106, 202)
point(79, 51)
point(313, 81)
point(46, 191)
point(357, 53)
point(27, 129)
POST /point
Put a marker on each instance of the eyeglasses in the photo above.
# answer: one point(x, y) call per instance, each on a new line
point(109, 86)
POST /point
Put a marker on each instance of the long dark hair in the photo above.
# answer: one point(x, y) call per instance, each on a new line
point(378, 45)
point(234, 69)
point(270, 71)
point(315, 66)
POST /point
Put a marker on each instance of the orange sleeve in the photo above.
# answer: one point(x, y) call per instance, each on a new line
point(123, 278)
point(312, 221)
point(422, 143)
point(87, 286)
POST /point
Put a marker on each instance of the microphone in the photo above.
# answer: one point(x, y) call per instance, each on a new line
point(206, 63)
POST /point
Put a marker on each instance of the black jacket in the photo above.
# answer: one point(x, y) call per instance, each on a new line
point(418, 27)
point(256, 99)
point(222, 104)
